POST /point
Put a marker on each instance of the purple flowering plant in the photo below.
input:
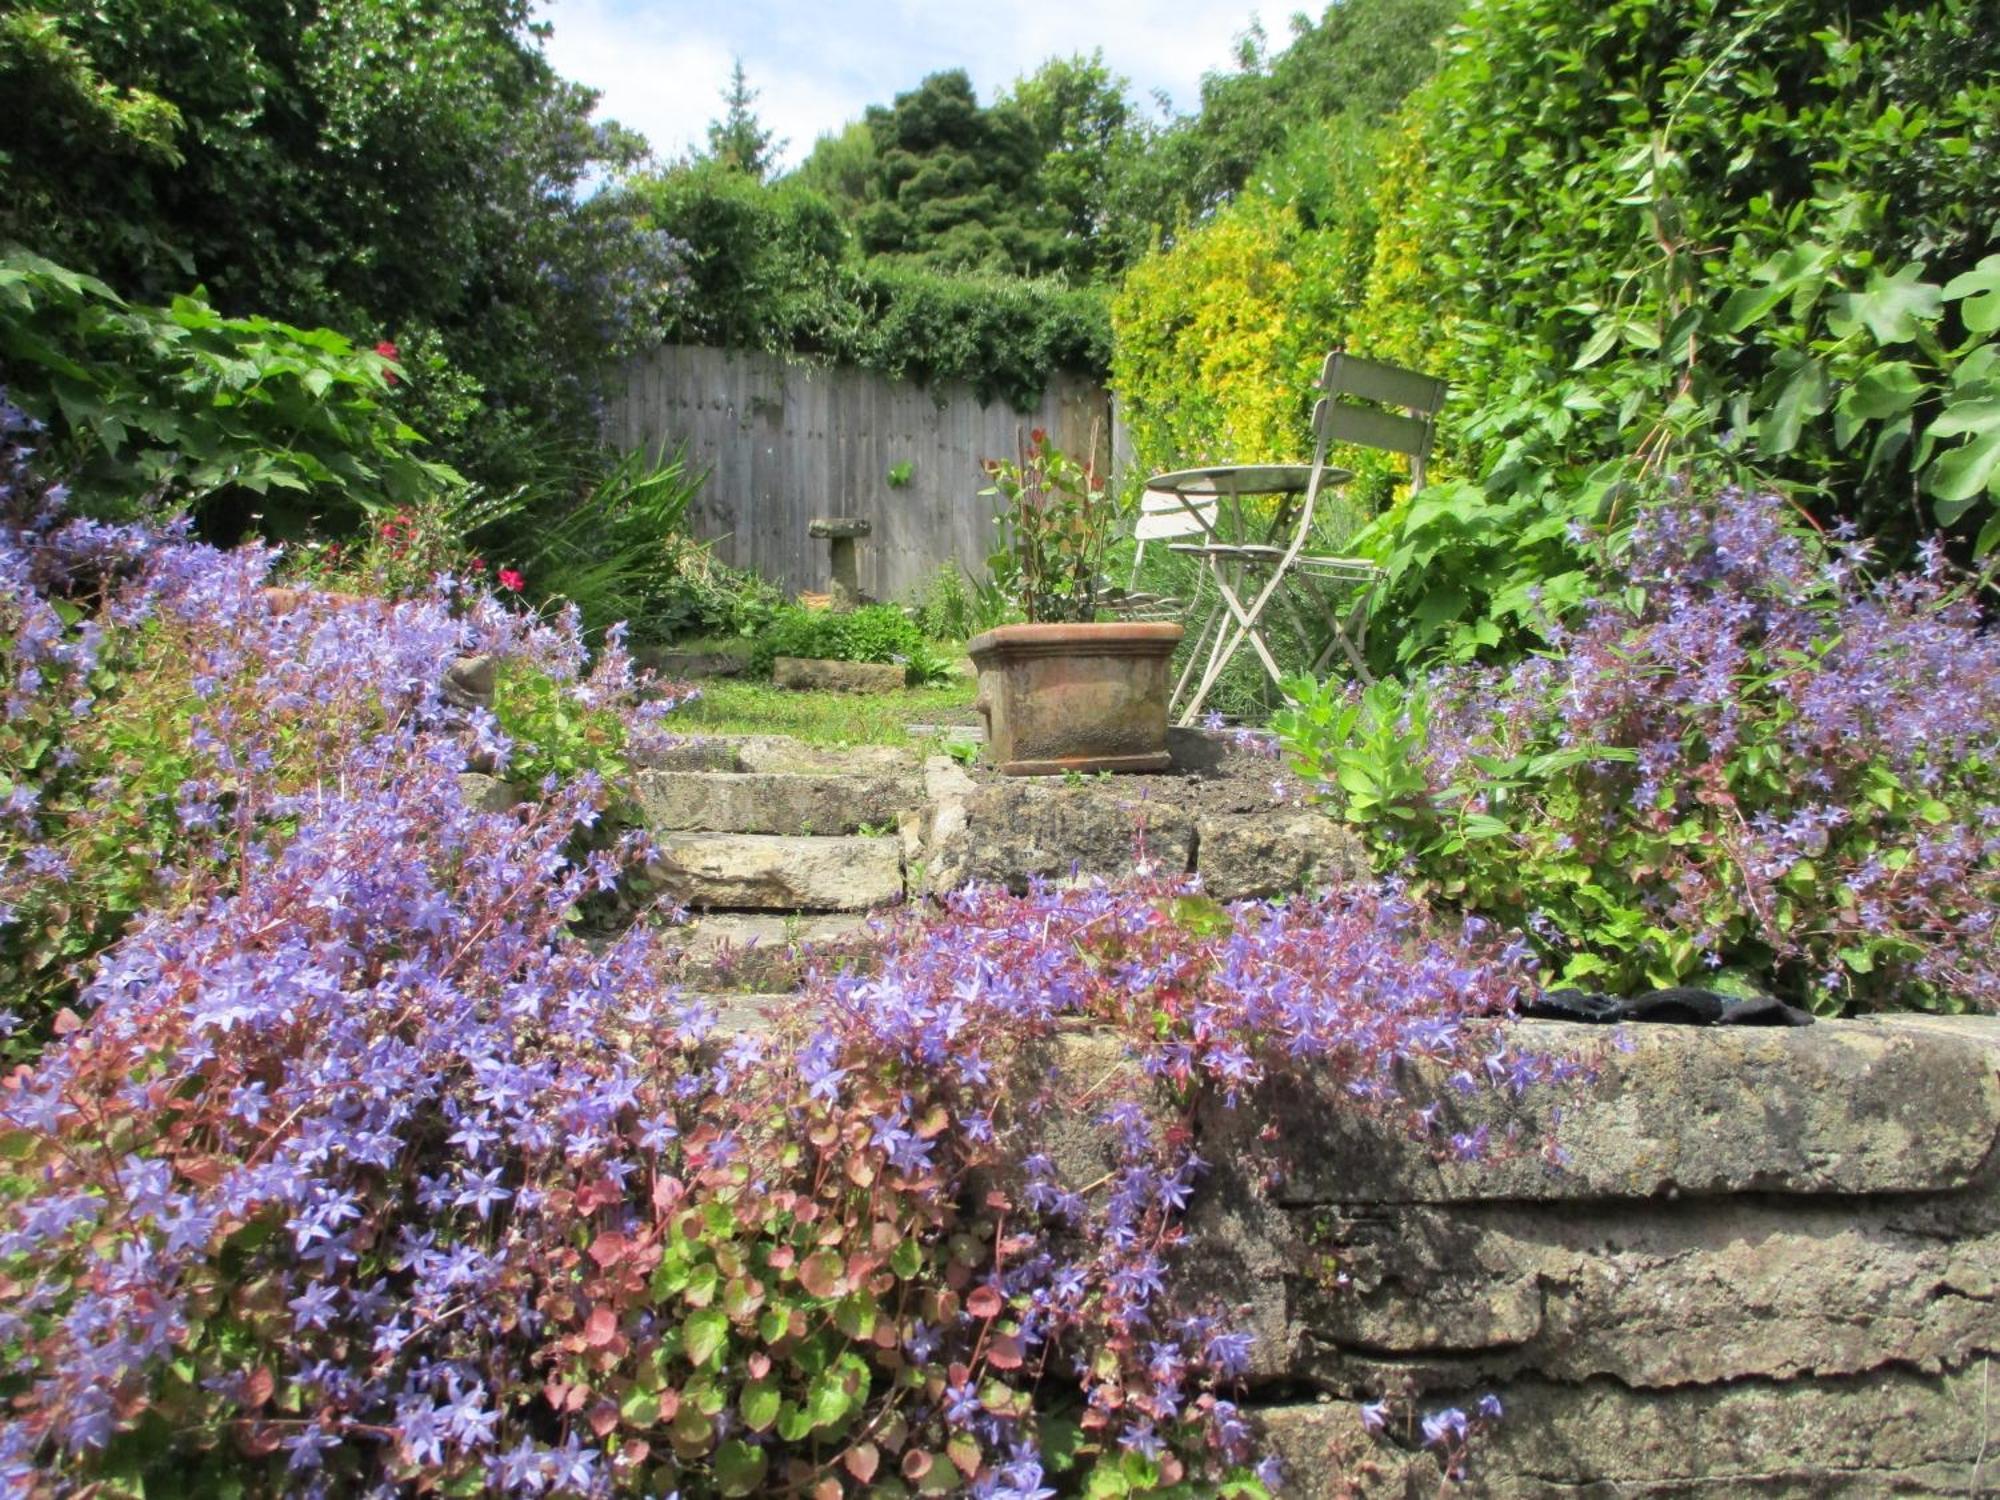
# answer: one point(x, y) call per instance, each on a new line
point(1745, 760)
point(359, 1167)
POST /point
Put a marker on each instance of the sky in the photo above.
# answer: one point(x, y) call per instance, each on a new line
point(662, 65)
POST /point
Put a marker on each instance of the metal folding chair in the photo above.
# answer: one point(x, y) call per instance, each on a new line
point(1350, 410)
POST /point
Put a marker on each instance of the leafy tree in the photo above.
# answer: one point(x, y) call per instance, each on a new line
point(415, 174)
point(1360, 58)
point(738, 140)
point(841, 168)
point(953, 182)
point(1087, 135)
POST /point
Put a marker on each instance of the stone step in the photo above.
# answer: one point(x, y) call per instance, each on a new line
point(757, 950)
point(781, 802)
point(779, 872)
point(780, 753)
point(742, 1010)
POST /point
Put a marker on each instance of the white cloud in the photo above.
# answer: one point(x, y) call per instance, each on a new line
point(817, 64)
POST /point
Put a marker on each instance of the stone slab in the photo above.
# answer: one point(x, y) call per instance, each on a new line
point(738, 949)
point(811, 675)
point(778, 752)
point(1699, 1291)
point(485, 793)
point(1891, 1432)
point(1247, 856)
point(1837, 1107)
point(772, 872)
point(1010, 833)
point(772, 801)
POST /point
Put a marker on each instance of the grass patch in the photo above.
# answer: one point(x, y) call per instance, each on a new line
point(733, 706)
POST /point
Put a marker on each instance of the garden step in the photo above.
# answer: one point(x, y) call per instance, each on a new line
point(759, 950)
point(786, 802)
point(779, 753)
point(779, 872)
point(742, 1010)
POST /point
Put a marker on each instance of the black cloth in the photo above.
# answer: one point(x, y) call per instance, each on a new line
point(1682, 1005)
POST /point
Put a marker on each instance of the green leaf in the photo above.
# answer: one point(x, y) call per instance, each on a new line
point(703, 1333)
point(1958, 476)
point(1803, 395)
point(1600, 343)
point(1883, 390)
point(739, 1468)
point(759, 1404)
point(1894, 309)
point(828, 1402)
point(1978, 291)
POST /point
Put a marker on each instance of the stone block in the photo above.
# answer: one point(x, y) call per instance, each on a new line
point(485, 793)
point(1894, 1432)
point(771, 802)
point(811, 675)
point(1651, 1294)
point(1242, 856)
point(765, 950)
point(772, 872)
point(1009, 833)
point(1837, 1107)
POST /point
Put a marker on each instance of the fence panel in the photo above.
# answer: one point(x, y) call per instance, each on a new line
point(784, 442)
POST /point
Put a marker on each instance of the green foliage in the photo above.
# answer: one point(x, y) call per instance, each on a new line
point(946, 610)
point(225, 413)
point(1634, 226)
point(954, 184)
point(553, 730)
point(738, 140)
point(107, 783)
point(56, 87)
point(770, 268)
point(1358, 61)
point(1057, 519)
point(386, 170)
point(619, 553)
point(873, 633)
point(1219, 337)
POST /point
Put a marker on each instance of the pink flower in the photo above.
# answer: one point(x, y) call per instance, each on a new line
point(511, 580)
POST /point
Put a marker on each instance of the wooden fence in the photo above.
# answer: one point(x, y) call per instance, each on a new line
point(784, 442)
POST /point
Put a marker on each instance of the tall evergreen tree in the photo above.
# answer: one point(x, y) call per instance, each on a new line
point(739, 139)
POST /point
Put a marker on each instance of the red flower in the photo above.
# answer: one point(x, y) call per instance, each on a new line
point(388, 351)
point(1038, 437)
point(511, 581)
point(478, 565)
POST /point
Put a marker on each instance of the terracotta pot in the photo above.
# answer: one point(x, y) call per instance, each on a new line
point(1062, 698)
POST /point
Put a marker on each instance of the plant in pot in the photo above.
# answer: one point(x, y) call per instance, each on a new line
point(1066, 692)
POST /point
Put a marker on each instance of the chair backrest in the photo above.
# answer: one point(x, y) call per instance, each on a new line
point(1340, 416)
point(1164, 514)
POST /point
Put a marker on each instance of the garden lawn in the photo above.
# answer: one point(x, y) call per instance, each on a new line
point(737, 707)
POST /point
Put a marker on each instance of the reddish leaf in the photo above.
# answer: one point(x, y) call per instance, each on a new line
point(861, 1461)
point(916, 1464)
point(603, 1418)
point(822, 1273)
point(601, 1327)
point(984, 1303)
point(257, 1389)
point(609, 1248)
point(1004, 1353)
point(963, 1451)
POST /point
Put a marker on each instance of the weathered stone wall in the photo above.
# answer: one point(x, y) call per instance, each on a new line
point(1768, 1267)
